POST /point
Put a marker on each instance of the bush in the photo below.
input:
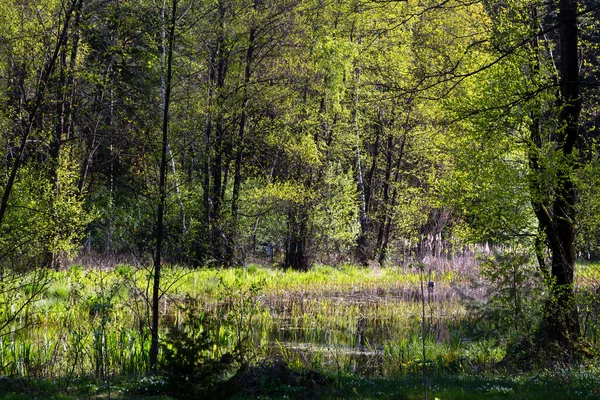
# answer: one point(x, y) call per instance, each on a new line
point(191, 361)
point(207, 348)
point(513, 302)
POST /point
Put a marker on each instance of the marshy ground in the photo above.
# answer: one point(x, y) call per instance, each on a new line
point(333, 332)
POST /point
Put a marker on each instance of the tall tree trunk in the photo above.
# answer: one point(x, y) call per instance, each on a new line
point(49, 257)
point(162, 187)
point(296, 255)
point(65, 94)
point(386, 227)
point(202, 245)
point(237, 181)
point(375, 156)
point(557, 215)
point(363, 242)
point(217, 234)
point(387, 181)
point(562, 317)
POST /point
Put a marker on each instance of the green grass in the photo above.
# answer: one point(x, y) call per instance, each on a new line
point(446, 387)
point(320, 279)
point(361, 326)
point(588, 274)
point(463, 388)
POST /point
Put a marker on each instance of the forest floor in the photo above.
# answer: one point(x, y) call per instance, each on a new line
point(441, 387)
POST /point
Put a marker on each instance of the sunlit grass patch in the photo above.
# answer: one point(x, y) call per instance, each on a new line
point(588, 274)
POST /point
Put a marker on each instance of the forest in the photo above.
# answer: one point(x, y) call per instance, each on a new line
point(300, 199)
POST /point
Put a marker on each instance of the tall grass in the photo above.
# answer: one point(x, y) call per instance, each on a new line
point(346, 319)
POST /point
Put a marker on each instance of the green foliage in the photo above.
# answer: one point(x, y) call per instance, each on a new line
point(514, 299)
point(222, 323)
point(444, 105)
point(587, 180)
point(588, 300)
point(335, 220)
point(190, 361)
point(124, 222)
point(335, 58)
point(492, 199)
point(208, 347)
point(43, 217)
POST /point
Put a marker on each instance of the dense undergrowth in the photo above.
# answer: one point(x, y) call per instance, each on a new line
point(333, 332)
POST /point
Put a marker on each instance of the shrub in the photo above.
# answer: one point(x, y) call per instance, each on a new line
point(208, 347)
point(514, 294)
point(191, 361)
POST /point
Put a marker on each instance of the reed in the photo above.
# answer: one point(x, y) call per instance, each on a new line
point(340, 320)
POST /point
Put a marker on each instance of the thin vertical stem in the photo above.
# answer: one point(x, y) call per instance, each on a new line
point(162, 187)
point(422, 275)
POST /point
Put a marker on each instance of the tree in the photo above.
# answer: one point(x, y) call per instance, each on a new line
point(168, 38)
point(29, 104)
point(532, 123)
point(559, 220)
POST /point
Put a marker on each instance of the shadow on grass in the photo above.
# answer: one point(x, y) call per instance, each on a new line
point(274, 380)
